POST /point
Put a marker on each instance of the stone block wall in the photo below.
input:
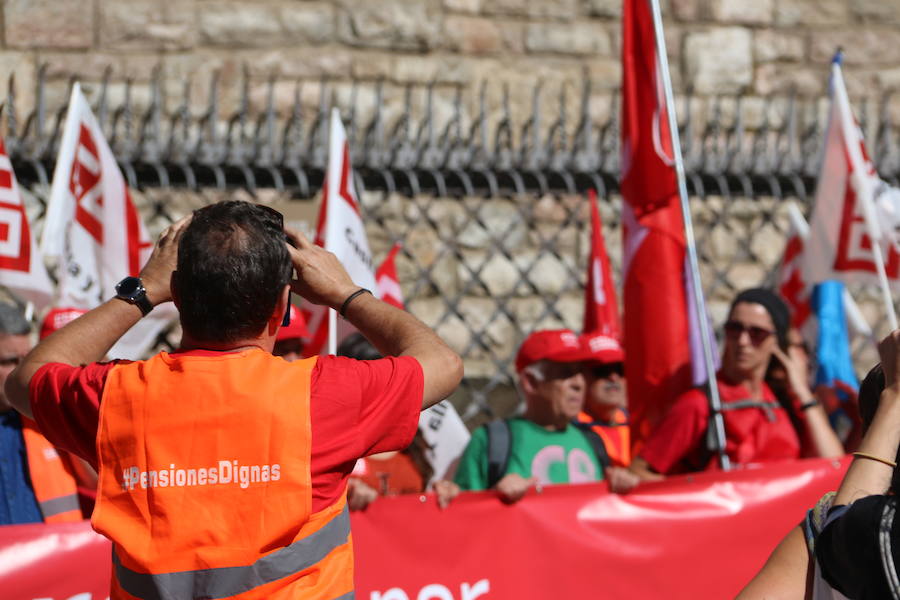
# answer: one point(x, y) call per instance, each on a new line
point(749, 47)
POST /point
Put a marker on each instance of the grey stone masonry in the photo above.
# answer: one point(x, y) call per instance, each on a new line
point(715, 46)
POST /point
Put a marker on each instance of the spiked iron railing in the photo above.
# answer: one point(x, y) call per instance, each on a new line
point(488, 204)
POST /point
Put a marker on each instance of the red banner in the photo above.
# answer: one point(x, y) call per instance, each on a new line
point(699, 536)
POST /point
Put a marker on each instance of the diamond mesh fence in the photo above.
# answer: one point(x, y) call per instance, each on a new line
point(491, 210)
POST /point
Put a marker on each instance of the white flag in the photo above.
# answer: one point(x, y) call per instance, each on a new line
point(22, 268)
point(844, 225)
point(797, 292)
point(93, 227)
point(340, 230)
point(446, 435)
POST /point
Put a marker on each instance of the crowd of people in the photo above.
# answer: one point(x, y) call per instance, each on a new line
point(273, 449)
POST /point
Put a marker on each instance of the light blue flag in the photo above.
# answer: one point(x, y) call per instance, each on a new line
point(833, 347)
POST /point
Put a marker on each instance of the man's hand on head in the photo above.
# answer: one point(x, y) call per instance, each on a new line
point(321, 278)
point(157, 273)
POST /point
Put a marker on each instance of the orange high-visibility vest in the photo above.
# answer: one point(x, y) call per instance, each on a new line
point(53, 485)
point(616, 436)
point(205, 483)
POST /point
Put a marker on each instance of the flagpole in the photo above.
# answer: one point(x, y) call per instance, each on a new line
point(332, 331)
point(715, 403)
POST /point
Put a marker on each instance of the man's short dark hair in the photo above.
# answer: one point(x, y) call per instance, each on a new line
point(232, 267)
point(12, 321)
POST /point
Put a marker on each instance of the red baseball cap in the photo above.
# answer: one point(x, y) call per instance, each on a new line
point(57, 318)
point(297, 329)
point(602, 348)
point(558, 345)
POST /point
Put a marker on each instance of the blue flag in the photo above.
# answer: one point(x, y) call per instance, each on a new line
point(833, 344)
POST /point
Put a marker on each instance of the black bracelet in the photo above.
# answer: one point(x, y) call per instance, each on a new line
point(808, 405)
point(350, 299)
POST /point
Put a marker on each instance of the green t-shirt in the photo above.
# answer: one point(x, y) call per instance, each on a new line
point(551, 456)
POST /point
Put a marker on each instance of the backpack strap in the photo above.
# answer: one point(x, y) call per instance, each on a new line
point(596, 443)
point(767, 407)
point(498, 448)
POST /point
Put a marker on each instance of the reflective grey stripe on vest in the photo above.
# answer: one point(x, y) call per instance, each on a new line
point(59, 505)
point(230, 581)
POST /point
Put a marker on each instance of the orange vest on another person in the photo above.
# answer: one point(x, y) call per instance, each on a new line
point(616, 436)
point(205, 483)
point(53, 485)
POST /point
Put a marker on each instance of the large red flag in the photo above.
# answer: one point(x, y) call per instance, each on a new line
point(601, 310)
point(657, 325)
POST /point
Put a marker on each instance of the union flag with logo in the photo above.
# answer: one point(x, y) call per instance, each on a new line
point(848, 219)
point(22, 269)
point(93, 228)
point(339, 230)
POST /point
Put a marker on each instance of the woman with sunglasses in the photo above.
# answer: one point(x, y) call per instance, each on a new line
point(760, 426)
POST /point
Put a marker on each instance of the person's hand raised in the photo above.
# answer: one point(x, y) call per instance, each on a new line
point(889, 351)
point(321, 278)
point(157, 272)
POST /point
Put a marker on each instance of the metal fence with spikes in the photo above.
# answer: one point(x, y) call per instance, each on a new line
point(489, 204)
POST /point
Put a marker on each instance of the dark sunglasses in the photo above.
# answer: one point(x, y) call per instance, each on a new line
point(606, 371)
point(734, 329)
point(557, 370)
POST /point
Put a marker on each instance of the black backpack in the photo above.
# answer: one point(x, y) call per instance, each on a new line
point(500, 442)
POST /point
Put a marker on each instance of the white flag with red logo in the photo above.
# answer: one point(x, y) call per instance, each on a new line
point(22, 268)
point(845, 221)
point(791, 284)
point(797, 291)
point(340, 230)
point(93, 228)
point(387, 281)
point(601, 310)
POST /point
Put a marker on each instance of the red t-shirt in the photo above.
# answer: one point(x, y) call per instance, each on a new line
point(678, 444)
point(357, 408)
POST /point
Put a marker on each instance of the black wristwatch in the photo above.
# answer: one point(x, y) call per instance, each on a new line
point(131, 290)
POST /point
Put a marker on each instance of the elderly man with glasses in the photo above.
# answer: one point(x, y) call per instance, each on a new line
point(760, 424)
point(543, 446)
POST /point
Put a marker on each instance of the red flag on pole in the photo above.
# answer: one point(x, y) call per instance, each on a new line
point(656, 324)
point(387, 282)
point(601, 310)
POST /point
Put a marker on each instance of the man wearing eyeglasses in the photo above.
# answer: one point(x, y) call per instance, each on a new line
point(543, 446)
point(605, 403)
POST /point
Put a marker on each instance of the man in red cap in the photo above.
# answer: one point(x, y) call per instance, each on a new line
point(543, 446)
point(605, 404)
point(290, 338)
